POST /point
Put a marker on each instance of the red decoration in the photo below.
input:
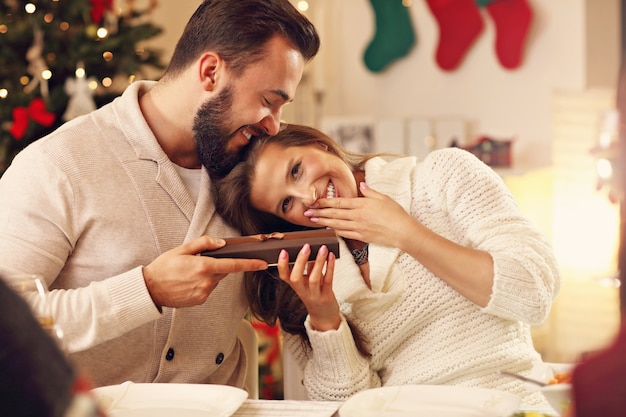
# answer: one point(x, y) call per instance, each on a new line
point(273, 333)
point(98, 7)
point(512, 19)
point(36, 111)
point(459, 23)
point(495, 153)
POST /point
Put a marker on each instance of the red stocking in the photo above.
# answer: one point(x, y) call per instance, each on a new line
point(512, 19)
point(460, 23)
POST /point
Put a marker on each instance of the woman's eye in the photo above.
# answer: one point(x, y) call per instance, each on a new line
point(267, 102)
point(285, 205)
point(295, 170)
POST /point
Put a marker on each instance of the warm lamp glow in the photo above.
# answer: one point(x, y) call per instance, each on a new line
point(586, 222)
point(604, 168)
point(533, 192)
point(588, 237)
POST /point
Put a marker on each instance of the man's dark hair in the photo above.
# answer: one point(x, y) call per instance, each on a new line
point(239, 29)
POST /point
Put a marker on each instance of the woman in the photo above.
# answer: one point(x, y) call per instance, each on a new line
point(446, 274)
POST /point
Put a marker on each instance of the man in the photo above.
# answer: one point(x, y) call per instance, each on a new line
point(112, 208)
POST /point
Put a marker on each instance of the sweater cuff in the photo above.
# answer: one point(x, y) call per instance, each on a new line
point(334, 351)
point(517, 294)
point(131, 300)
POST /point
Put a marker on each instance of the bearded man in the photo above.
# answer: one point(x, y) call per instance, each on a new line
point(112, 208)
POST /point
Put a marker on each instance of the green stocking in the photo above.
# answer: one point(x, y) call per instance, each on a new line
point(394, 35)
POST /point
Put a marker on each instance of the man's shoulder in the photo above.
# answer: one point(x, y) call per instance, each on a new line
point(103, 125)
point(83, 132)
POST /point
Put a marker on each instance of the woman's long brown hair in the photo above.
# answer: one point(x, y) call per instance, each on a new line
point(271, 299)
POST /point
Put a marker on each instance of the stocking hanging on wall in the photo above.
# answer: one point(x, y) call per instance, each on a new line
point(460, 23)
point(512, 19)
point(394, 35)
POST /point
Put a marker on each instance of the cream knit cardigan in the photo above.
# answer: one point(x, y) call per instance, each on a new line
point(420, 330)
point(86, 207)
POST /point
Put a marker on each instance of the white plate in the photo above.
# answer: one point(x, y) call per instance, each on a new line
point(430, 401)
point(558, 395)
point(546, 371)
point(169, 400)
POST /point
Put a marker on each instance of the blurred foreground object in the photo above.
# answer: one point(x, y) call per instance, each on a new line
point(36, 377)
point(599, 382)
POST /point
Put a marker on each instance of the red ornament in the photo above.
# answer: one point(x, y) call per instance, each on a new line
point(36, 111)
point(273, 333)
point(98, 7)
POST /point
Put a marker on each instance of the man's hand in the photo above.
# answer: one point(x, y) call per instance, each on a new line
point(180, 278)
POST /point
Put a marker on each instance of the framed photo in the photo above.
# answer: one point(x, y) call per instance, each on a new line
point(354, 134)
point(366, 135)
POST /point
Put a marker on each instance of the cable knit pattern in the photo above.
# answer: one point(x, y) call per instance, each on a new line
point(420, 330)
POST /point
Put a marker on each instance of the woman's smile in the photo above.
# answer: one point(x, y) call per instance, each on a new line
point(330, 190)
point(288, 181)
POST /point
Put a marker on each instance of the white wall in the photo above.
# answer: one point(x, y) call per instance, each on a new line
point(495, 101)
point(571, 43)
point(172, 16)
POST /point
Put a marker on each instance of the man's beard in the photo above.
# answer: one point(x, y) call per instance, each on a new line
point(212, 137)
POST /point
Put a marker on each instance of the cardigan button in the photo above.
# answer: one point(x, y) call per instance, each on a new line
point(219, 359)
point(169, 355)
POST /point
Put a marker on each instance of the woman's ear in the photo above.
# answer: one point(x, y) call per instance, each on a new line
point(323, 145)
point(210, 66)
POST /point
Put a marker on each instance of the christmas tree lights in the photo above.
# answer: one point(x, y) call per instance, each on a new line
point(63, 58)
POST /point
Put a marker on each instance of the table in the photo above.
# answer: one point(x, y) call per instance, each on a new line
point(287, 408)
point(290, 408)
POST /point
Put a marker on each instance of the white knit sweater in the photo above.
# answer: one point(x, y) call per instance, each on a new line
point(420, 330)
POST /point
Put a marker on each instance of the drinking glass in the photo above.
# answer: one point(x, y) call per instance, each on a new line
point(33, 289)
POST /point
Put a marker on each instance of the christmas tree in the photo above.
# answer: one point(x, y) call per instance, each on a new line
point(63, 58)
